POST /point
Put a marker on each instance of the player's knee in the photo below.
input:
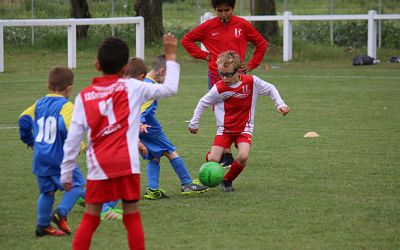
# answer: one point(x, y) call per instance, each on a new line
point(242, 159)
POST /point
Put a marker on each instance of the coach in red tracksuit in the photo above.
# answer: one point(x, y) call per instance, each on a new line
point(222, 33)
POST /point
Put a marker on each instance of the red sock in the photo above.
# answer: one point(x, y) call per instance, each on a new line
point(208, 153)
point(134, 228)
point(234, 171)
point(85, 231)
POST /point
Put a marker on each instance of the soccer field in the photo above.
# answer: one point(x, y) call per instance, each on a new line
point(338, 191)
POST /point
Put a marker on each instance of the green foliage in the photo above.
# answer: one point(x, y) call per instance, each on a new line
point(346, 33)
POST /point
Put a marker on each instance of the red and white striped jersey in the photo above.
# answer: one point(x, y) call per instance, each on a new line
point(235, 104)
point(109, 111)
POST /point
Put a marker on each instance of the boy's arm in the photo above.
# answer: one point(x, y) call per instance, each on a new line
point(171, 82)
point(206, 101)
point(268, 89)
point(25, 122)
point(190, 39)
point(259, 42)
point(73, 142)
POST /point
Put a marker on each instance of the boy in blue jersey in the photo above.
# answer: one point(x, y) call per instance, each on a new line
point(156, 142)
point(43, 127)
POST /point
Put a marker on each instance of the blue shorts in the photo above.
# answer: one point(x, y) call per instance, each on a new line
point(156, 145)
point(52, 183)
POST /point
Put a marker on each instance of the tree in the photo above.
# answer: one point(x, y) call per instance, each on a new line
point(151, 10)
point(80, 9)
point(265, 7)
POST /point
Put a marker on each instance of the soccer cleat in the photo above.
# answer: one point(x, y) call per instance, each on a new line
point(80, 202)
point(227, 186)
point(193, 188)
point(110, 214)
point(61, 222)
point(48, 231)
point(226, 160)
point(155, 194)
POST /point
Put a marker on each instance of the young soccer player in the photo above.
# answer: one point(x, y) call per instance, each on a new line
point(235, 98)
point(109, 111)
point(224, 32)
point(153, 137)
point(44, 127)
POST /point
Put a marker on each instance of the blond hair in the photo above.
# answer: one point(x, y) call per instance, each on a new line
point(229, 57)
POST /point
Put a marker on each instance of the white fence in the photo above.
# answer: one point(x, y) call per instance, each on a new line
point(71, 25)
point(288, 17)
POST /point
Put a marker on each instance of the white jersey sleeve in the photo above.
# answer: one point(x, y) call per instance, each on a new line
point(72, 144)
point(168, 88)
point(264, 88)
point(212, 97)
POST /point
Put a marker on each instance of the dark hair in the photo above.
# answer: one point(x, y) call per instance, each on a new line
point(136, 67)
point(215, 3)
point(60, 77)
point(159, 62)
point(112, 55)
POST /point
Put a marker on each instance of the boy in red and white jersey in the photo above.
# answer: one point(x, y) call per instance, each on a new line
point(234, 99)
point(109, 111)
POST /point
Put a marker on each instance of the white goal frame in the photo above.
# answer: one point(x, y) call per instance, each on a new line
point(71, 26)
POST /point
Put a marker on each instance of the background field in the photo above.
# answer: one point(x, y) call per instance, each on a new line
point(339, 191)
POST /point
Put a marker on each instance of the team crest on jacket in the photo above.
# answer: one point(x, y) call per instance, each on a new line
point(238, 31)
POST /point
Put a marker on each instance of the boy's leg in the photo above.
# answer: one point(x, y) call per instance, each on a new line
point(89, 223)
point(133, 224)
point(237, 166)
point(188, 186)
point(68, 200)
point(153, 191)
point(179, 166)
point(153, 174)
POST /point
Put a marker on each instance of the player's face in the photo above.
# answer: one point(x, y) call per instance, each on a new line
point(224, 12)
point(228, 74)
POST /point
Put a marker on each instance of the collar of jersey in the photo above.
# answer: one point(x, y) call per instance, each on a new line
point(54, 95)
point(149, 78)
point(105, 79)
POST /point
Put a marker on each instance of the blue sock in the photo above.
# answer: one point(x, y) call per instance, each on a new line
point(181, 170)
point(108, 205)
point(83, 193)
point(45, 205)
point(68, 200)
point(153, 174)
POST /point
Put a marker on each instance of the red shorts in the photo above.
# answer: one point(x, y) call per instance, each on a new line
point(126, 188)
point(226, 140)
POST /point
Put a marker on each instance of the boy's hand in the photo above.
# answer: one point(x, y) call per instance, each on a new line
point(143, 128)
point(193, 130)
point(170, 46)
point(67, 186)
point(284, 110)
point(142, 148)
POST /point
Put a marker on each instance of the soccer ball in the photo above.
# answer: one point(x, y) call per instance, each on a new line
point(211, 174)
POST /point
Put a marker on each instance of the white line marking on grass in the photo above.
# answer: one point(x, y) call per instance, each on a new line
point(8, 127)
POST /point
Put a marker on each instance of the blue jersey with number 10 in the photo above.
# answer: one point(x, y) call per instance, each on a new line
point(44, 126)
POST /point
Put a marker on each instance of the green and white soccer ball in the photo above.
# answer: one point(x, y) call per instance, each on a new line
point(211, 174)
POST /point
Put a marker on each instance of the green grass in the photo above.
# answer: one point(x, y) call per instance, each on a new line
point(338, 191)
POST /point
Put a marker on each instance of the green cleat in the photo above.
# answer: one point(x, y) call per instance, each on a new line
point(193, 188)
point(110, 214)
point(155, 194)
point(80, 202)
